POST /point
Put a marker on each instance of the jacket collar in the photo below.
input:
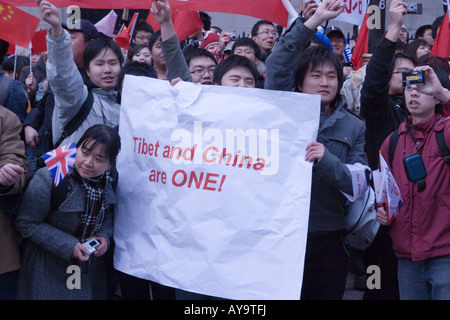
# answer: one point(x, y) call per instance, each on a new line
point(436, 123)
point(337, 114)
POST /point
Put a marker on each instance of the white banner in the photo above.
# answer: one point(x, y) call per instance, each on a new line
point(353, 12)
point(214, 191)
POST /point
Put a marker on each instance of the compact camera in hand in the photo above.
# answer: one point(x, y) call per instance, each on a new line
point(91, 245)
point(413, 77)
point(413, 8)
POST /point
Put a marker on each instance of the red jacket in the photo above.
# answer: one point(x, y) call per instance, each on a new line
point(421, 229)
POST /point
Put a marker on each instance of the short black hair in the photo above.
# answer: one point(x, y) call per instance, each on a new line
point(105, 135)
point(397, 56)
point(312, 57)
point(194, 52)
point(156, 36)
point(4, 45)
point(206, 20)
point(247, 42)
point(435, 26)
point(19, 61)
point(137, 68)
point(421, 30)
point(96, 46)
point(142, 25)
point(233, 61)
point(258, 24)
point(400, 46)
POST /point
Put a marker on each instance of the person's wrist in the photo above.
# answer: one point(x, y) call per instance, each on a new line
point(443, 95)
point(313, 22)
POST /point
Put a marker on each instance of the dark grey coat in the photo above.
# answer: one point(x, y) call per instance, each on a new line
point(342, 134)
point(49, 240)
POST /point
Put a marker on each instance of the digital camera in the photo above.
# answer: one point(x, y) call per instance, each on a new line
point(413, 8)
point(413, 77)
point(91, 245)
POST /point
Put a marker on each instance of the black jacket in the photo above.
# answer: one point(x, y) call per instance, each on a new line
point(383, 113)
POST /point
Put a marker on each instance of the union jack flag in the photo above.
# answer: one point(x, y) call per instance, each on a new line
point(60, 161)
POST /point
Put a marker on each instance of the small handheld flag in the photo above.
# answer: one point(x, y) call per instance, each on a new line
point(60, 161)
point(387, 190)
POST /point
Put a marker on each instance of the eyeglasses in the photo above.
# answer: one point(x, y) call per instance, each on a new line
point(201, 71)
point(143, 38)
point(336, 40)
point(245, 52)
point(267, 32)
point(401, 71)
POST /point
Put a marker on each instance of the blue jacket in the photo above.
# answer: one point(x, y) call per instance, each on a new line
point(14, 96)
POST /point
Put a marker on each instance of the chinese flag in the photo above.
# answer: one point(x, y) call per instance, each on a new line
point(123, 38)
point(271, 10)
point(441, 46)
point(362, 44)
point(39, 42)
point(185, 23)
point(16, 26)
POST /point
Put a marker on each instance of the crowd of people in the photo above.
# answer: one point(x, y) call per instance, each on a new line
point(71, 94)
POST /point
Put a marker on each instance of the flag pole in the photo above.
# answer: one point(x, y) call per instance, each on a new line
point(448, 7)
point(132, 26)
point(31, 56)
point(293, 14)
point(15, 62)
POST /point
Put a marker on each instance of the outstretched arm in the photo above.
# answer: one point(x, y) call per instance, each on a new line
point(175, 62)
point(281, 60)
point(50, 14)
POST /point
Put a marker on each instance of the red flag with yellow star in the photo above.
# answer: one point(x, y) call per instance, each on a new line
point(17, 26)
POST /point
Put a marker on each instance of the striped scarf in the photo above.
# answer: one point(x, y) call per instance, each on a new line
point(96, 206)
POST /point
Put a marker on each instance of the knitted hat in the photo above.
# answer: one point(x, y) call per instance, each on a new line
point(210, 38)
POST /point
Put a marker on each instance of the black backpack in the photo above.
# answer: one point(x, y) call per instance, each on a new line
point(443, 148)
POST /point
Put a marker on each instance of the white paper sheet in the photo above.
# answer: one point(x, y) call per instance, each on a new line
point(240, 233)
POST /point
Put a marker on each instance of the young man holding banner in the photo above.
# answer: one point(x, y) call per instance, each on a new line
point(340, 143)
